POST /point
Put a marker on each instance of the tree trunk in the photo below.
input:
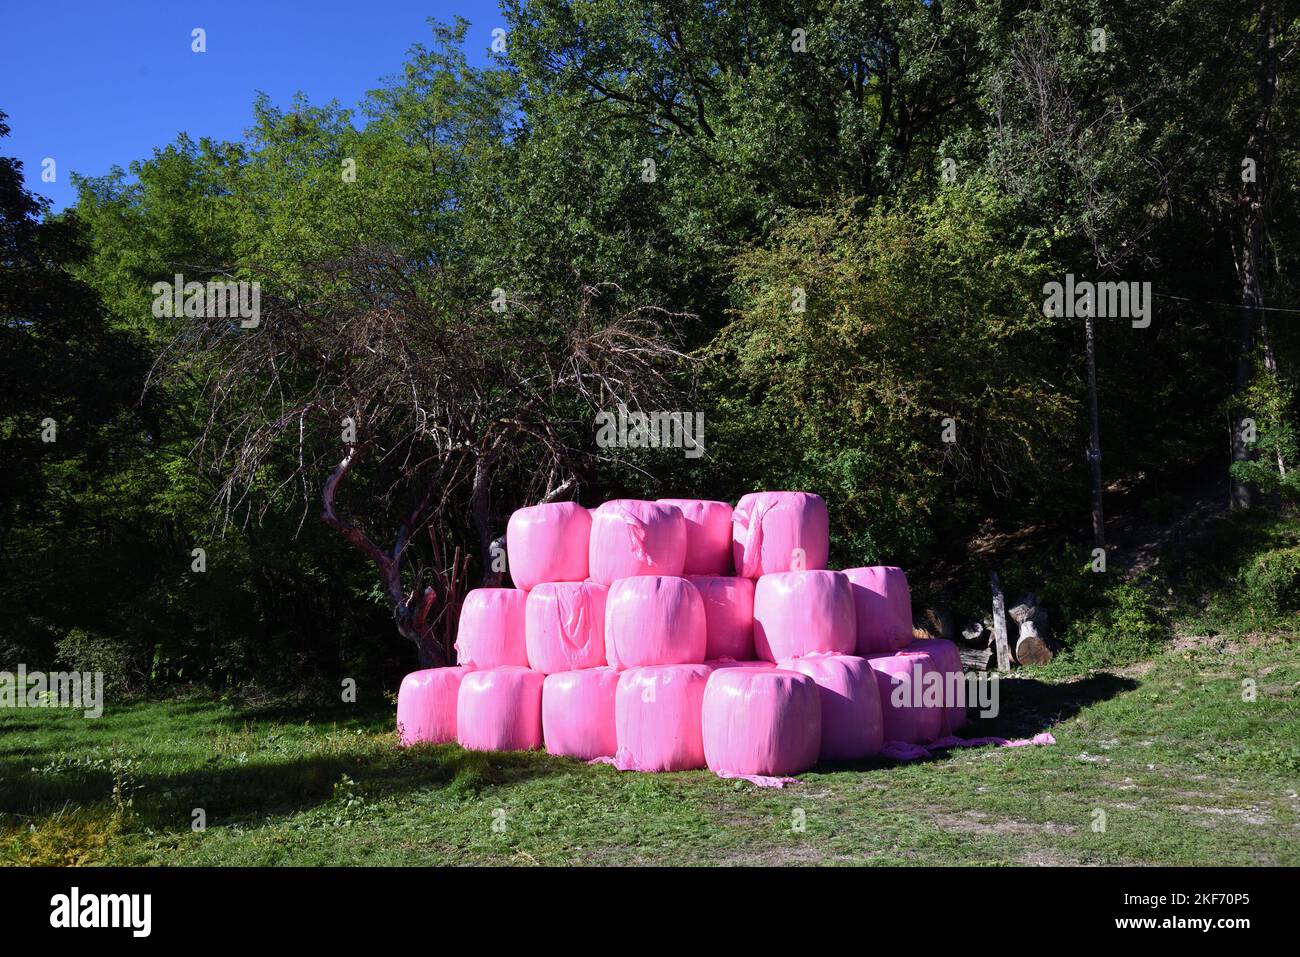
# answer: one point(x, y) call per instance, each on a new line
point(480, 510)
point(1094, 435)
point(1253, 208)
point(410, 612)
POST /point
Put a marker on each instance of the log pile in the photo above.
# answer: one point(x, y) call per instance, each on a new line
point(991, 643)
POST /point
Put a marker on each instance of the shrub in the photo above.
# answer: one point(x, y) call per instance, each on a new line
point(1271, 580)
point(82, 650)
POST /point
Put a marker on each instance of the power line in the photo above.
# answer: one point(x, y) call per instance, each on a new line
point(1227, 305)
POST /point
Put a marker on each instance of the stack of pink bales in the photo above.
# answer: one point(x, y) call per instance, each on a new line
point(683, 634)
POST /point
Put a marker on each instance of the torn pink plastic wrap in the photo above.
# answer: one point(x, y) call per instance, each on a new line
point(883, 604)
point(490, 633)
point(779, 532)
point(902, 681)
point(798, 613)
point(716, 663)
point(657, 715)
point(948, 660)
point(426, 706)
point(631, 537)
point(728, 615)
point(564, 624)
point(500, 710)
point(578, 713)
point(708, 535)
point(852, 721)
point(654, 620)
point(548, 543)
point(764, 722)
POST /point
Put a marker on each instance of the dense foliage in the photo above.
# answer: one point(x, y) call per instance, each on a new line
point(826, 226)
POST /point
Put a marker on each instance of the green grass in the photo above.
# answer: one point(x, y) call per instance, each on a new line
point(1184, 769)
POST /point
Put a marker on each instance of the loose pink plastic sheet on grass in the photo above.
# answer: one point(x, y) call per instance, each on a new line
point(763, 722)
point(654, 620)
point(798, 613)
point(779, 532)
point(883, 604)
point(728, 615)
point(500, 710)
point(657, 715)
point(708, 535)
point(852, 721)
point(762, 780)
point(631, 537)
point(578, 713)
point(490, 633)
point(564, 624)
point(901, 681)
point(426, 706)
point(548, 543)
point(902, 751)
point(948, 660)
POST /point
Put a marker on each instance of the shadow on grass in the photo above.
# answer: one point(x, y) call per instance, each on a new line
point(236, 762)
point(1026, 707)
point(230, 790)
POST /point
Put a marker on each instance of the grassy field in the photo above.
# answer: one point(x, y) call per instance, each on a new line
point(1184, 769)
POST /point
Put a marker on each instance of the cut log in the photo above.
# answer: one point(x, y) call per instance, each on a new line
point(936, 622)
point(976, 659)
point(1031, 624)
point(1032, 650)
point(1040, 623)
point(1025, 609)
point(1000, 643)
point(976, 634)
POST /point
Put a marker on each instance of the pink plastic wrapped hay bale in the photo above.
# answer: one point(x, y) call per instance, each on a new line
point(798, 613)
point(548, 543)
point(902, 681)
point(564, 626)
point(490, 633)
point(779, 532)
point(500, 710)
point(426, 706)
point(578, 713)
point(708, 535)
point(631, 537)
point(884, 608)
point(654, 620)
point(657, 717)
point(852, 723)
point(728, 615)
point(947, 659)
point(761, 721)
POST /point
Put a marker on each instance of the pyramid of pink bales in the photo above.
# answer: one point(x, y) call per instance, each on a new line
point(680, 634)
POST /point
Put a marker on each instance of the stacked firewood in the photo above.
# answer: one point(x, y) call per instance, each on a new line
point(991, 644)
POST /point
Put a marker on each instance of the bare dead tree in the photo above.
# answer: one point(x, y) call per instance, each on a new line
point(399, 393)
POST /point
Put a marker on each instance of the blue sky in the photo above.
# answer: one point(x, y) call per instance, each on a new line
point(93, 84)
